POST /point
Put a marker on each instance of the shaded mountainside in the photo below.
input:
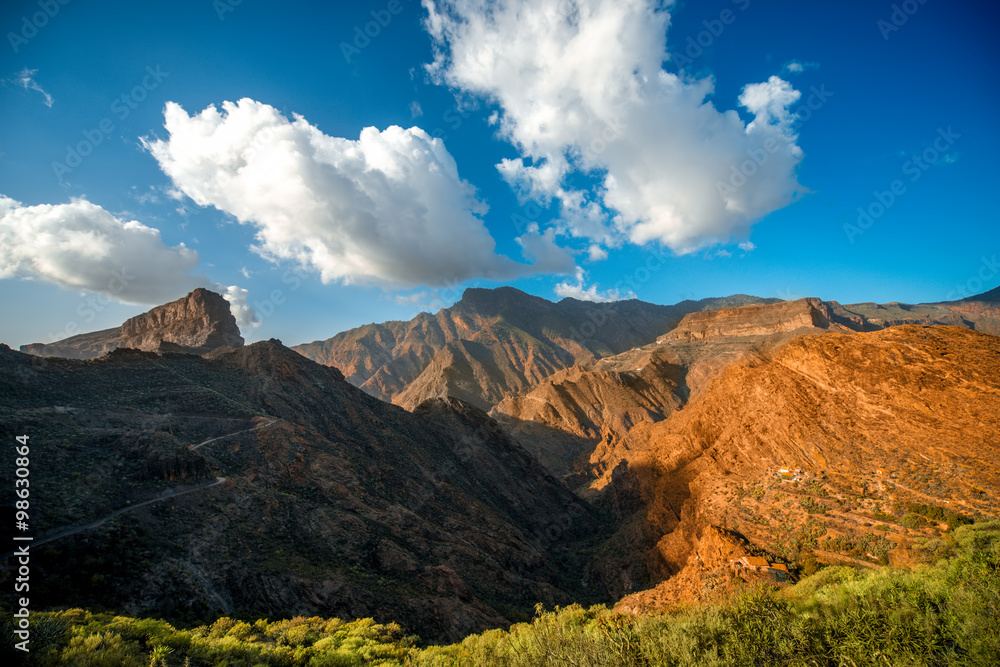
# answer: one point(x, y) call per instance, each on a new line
point(196, 324)
point(493, 342)
point(333, 503)
point(846, 446)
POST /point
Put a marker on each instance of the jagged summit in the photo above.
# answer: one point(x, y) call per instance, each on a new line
point(197, 323)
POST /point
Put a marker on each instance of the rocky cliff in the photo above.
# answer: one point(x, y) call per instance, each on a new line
point(566, 415)
point(754, 320)
point(196, 324)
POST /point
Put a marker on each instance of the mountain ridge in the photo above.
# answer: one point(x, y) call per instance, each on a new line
point(517, 339)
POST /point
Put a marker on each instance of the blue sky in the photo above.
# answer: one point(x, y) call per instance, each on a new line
point(621, 131)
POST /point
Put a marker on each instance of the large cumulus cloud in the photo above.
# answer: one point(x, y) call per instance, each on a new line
point(388, 208)
point(581, 89)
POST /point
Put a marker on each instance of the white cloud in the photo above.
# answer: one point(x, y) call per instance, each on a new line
point(425, 300)
point(748, 246)
point(81, 246)
point(581, 89)
point(388, 208)
point(416, 111)
point(542, 250)
point(26, 79)
point(769, 102)
point(596, 253)
point(796, 67)
point(578, 290)
point(238, 298)
point(415, 299)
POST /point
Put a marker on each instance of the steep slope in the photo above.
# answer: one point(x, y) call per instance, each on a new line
point(493, 342)
point(333, 503)
point(846, 446)
point(566, 415)
point(198, 323)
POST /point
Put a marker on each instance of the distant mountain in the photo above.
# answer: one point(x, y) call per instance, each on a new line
point(198, 323)
point(330, 503)
point(566, 415)
point(494, 342)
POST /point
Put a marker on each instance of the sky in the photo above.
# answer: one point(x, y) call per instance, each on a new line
point(329, 165)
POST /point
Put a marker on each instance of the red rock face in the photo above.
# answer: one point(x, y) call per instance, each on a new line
point(198, 323)
point(866, 421)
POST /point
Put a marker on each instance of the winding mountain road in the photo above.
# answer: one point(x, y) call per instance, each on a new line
point(246, 430)
point(66, 532)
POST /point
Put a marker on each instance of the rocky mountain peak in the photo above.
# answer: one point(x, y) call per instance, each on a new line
point(495, 301)
point(196, 324)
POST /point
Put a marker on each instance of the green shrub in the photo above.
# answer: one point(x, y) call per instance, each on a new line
point(941, 613)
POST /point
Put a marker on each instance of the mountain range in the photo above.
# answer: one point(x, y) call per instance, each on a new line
point(451, 471)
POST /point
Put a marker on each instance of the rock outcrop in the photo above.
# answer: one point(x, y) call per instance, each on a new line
point(755, 320)
point(196, 324)
point(566, 415)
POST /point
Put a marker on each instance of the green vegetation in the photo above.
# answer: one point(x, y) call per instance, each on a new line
point(864, 545)
point(942, 612)
point(812, 506)
point(933, 513)
point(817, 489)
point(78, 637)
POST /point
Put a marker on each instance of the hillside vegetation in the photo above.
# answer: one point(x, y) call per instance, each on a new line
point(943, 611)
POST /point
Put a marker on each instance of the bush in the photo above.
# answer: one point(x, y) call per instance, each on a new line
point(939, 614)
